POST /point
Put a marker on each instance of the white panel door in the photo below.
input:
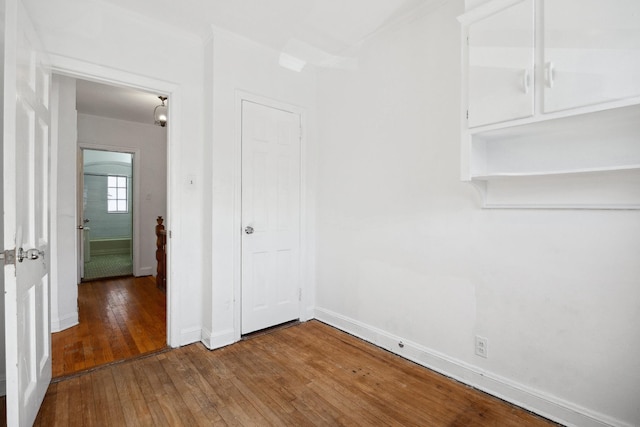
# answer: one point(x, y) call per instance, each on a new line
point(26, 221)
point(501, 66)
point(591, 52)
point(270, 216)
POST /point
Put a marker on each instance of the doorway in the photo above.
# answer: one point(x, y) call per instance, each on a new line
point(120, 176)
point(105, 207)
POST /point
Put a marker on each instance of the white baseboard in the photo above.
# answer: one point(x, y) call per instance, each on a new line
point(535, 401)
point(189, 336)
point(217, 340)
point(145, 271)
point(64, 322)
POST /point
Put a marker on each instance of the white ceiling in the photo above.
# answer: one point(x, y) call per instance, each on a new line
point(316, 31)
point(329, 25)
point(115, 102)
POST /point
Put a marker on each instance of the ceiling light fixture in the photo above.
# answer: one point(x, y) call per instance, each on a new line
point(160, 113)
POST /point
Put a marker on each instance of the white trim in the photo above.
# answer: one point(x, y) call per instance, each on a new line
point(189, 336)
point(102, 74)
point(64, 322)
point(536, 401)
point(240, 96)
point(217, 340)
point(145, 271)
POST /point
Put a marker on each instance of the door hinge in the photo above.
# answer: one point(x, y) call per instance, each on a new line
point(9, 257)
point(299, 294)
point(467, 114)
point(467, 40)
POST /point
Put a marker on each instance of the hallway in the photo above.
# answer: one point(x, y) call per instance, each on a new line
point(119, 319)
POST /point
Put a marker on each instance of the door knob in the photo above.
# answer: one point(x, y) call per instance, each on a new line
point(29, 254)
point(248, 229)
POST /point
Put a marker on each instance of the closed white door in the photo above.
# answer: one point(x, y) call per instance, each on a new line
point(26, 221)
point(270, 216)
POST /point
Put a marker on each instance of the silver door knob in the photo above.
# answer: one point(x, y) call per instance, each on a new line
point(29, 254)
point(248, 229)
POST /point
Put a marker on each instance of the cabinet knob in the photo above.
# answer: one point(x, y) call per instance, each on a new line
point(549, 72)
point(526, 81)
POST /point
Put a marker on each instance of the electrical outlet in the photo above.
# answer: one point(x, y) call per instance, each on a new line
point(481, 346)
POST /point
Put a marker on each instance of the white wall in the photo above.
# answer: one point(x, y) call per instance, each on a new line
point(94, 38)
point(240, 65)
point(150, 141)
point(63, 277)
point(405, 252)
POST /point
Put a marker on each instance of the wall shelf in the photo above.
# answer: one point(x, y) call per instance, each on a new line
point(551, 117)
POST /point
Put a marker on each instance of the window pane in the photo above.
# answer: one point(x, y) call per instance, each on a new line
point(111, 193)
point(122, 181)
point(111, 181)
point(122, 193)
point(122, 205)
point(112, 206)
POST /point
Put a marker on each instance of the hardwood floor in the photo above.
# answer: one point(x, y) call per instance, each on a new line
point(119, 319)
point(307, 374)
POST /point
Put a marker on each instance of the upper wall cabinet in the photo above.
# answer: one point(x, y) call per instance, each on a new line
point(591, 52)
point(551, 103)
point(501, 65)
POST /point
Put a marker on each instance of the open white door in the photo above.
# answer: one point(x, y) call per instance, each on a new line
point(80, 214)
point(270, 216)
point(26, 221)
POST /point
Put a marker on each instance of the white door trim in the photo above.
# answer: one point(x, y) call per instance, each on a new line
point(102, 74)
point(240, 96)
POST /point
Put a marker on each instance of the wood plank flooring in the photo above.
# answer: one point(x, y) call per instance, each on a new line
point(304, 375)
point(119, 319)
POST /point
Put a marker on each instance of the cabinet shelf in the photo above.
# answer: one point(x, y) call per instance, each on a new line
point(551, 104)
point(559, 173)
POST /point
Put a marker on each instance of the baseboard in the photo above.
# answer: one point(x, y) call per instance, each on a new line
point(145, 271)
point(189, 336)
point(535, 401)
point(116, 251)
point(217, 340)
point(64, 322)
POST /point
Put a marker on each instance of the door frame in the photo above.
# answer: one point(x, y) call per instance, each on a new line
point(135, 195)
point(306, 300)
point(102, 74)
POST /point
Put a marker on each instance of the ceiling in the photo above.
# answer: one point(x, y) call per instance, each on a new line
point(319, 32)
point(115, 102)
point(331, 26)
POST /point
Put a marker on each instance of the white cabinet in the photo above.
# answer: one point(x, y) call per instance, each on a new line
point(501, 70)
point(551, 103)
point(591, 52)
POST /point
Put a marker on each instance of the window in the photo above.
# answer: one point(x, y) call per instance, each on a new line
point(117, 200)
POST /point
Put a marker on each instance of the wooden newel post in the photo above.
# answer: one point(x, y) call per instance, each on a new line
point(161, 255)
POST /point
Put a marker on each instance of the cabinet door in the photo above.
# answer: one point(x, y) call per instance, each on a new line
point(500, 85)
point(591, 52)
